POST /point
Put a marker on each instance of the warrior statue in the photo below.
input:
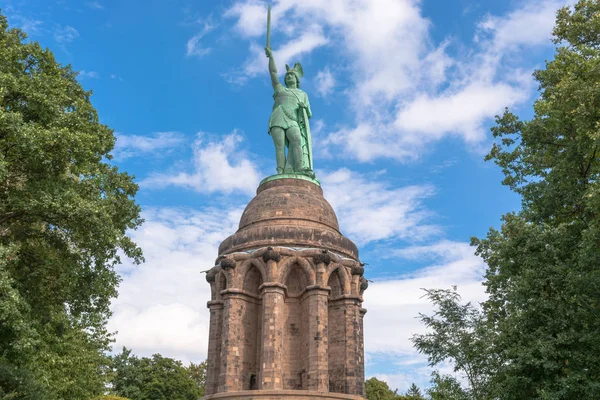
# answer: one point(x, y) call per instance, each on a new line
point(288, 125)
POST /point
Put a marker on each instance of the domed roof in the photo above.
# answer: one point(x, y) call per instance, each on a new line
point(289, 201)
point(289, 212)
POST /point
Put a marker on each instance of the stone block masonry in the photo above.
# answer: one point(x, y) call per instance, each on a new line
point(286, 312)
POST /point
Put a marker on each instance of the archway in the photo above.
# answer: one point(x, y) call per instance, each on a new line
point(295, 340)
point(251, 318)
point(337, 333)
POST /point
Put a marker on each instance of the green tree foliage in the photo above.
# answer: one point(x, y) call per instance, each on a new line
point(198, 374)
point(156, 378)
point(63, 217)
point(539, 334)
point(413, 393)
point(445, 387)
point(458, 333)
point(543, 277)
point(379, 390)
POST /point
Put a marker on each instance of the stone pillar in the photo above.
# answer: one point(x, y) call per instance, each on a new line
point(318, 367)
point(214, 346)
point(354, 377)
point(231, 342)
point(361, 349)
point(273, 298)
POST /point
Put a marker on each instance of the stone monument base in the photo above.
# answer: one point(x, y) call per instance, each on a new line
point(282, 395)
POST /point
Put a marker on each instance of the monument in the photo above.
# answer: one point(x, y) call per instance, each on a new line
point(286, 316)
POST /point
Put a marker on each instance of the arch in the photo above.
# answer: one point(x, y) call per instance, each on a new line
point(342, 273)
point(337, 328)
point(250, 276)
point(287, 264)
point(296, 341)
point(336, 285)
point(296, 280)
point(247, 265)
point(253, 279)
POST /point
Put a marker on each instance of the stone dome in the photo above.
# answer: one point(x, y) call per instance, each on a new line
point(289, 201)
point(290, 212)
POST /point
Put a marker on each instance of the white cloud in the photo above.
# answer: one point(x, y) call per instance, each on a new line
point(251, 17)
point(530, 25)
point(290, 52)
point(193, 46)
point(218, 166)
point(88, 74)
point(134, 145)
point(429, 118)
point(393, 305)
point(407, 92)
point(382, 37)
point(324, 82)
point(406, 371)
point(65, 34)
point(95, 5)
point(161, 303)
point(367, 141)
point(370, 210)
point(28, 25)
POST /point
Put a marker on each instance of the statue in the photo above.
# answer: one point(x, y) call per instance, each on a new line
point(288, 125)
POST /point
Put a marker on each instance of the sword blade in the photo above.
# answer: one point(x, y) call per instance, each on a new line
point(269, 27)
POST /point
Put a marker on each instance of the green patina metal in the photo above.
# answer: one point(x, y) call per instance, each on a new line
point(289, 122)
point(292, 176)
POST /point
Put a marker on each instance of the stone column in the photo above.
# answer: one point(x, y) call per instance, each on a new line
point(354, 382)
point(231, 342)
point(214, 346)
point(318, 367)
point(361, 349)
point(273, 298)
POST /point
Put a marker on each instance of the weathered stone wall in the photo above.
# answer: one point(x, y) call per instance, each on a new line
point(286, 322)
point(251, 329)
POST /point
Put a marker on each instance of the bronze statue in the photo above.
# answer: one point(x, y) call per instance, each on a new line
point(288, 125)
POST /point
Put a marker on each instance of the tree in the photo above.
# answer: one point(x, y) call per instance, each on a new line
point(379, 390)
point(64, 212)
point(414, 393)
point(156, 378)
point(198, 374)
point(446, 387)
point(460, 334)
point(543, 278)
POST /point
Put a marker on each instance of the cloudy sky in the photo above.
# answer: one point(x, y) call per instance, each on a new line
point(403, 94)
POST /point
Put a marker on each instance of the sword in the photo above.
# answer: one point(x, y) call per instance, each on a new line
point(308, 139)
point(269, 27)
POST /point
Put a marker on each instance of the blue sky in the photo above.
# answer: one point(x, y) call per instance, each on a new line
point(403, 94)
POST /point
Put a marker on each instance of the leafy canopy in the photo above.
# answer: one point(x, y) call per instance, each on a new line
point(538, 335)
point(156, 378)
point(543, 277)
point(457, 333)
point(64, 212)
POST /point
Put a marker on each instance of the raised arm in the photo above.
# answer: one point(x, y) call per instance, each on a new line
point(272, 68)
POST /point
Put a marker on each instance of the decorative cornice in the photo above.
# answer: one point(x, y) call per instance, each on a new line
point(212, 274)
point(323, 257)
point(227, 263)
point(271, 254)
point(284, 251)
point(269, 285)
